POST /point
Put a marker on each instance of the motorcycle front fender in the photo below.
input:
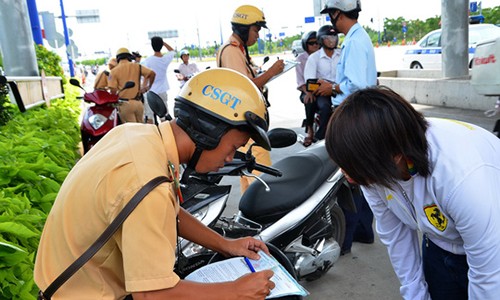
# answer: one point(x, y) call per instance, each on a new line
point(109, 112)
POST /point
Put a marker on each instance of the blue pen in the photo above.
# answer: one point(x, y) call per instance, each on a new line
point(249, 264)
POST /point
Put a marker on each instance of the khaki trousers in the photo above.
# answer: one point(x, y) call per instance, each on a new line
point(131, 111)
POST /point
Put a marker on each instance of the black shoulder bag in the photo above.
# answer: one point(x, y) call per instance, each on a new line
point(103, 238)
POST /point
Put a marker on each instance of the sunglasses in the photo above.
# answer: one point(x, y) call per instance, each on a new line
point(312, 43)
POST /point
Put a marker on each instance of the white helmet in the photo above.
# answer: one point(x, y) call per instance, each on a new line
point(342, 5)
point(183, 52)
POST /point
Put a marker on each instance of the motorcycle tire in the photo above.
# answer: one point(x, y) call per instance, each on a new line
point(280, 257)
point(338, 220)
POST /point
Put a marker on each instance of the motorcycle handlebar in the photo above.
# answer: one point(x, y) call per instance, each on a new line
point(268, 170)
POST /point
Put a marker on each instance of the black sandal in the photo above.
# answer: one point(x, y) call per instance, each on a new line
point(308, 140)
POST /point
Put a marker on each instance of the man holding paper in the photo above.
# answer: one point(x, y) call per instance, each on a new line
point(138, 259)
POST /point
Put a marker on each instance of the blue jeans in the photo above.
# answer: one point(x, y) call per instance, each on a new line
point(445, 272)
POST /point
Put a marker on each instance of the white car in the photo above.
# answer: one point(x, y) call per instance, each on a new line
point(297, 47)
point(426, 54)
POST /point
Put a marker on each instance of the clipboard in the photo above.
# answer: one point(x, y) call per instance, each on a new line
point(289, 64)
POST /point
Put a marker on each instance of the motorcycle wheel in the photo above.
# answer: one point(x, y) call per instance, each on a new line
point(280, 257)
point(337, 218)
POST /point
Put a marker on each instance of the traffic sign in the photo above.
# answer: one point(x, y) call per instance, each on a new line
point(309, 20)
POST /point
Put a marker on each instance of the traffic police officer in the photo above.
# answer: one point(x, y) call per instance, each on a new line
point(246, 23)
point(133, 109)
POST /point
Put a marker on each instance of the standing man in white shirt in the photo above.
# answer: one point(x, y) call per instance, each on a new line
point(158, 62)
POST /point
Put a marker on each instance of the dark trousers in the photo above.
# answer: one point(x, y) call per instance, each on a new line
point(310, 111)
point(358, 224)
point(324, 107)
point(445, 272)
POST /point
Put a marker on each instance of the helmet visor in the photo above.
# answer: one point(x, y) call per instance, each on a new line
point(261, 24)
point(258, 132)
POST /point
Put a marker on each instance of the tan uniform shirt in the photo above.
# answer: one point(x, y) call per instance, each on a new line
point(127, 71)
point(141, 254)
point(232, 55)
point(101, 80)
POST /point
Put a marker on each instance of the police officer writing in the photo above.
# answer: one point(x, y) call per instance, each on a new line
point(246, 23)
point(139, 259)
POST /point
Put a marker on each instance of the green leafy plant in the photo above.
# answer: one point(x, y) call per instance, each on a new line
point(6, 108)
point(49, 62)
point(37, 150)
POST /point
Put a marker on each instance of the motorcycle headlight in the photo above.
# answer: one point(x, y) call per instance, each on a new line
point(97, 120)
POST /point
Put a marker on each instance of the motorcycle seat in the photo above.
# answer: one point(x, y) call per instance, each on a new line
point(303, 173)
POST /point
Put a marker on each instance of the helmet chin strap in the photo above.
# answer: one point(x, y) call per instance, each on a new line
point(191, 166)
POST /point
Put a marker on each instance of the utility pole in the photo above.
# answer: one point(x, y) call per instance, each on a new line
point(35, 22)
point(66, 41)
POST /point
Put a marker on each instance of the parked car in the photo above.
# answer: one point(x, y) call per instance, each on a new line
point(297, 47)
point(426, 54)
point(485, 76)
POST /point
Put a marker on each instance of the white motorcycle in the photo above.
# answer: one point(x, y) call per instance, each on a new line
point(295, 207)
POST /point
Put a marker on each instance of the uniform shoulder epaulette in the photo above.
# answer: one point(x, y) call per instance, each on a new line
point(234, 43)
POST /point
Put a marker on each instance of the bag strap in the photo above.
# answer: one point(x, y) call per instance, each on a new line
point(247, 62)
point(103, 238)
point(138, 96)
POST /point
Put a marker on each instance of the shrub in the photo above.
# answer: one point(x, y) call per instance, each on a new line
point(50, 62)
point(37, 150)
point(6, 108)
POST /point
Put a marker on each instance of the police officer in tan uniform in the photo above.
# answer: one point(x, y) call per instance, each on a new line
point(246, 23)
point(133, 109)
point(101, 81)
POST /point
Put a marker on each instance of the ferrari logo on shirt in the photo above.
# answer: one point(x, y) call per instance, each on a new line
point(435, 217)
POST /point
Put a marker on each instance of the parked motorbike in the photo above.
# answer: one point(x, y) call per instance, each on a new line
point(294, 207)
point(100, 117)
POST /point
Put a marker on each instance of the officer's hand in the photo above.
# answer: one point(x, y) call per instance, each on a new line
point(277, 67)
point(254, 285)
point(246, 246)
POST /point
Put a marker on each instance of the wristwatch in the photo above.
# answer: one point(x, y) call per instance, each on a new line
point(334, 90)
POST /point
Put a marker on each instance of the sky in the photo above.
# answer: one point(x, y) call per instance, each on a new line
point(203, 22)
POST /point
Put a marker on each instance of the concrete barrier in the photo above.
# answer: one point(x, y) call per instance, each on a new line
point(429, 88)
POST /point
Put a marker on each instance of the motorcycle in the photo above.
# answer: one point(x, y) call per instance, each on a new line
point(295, 207)
point(101, 117)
